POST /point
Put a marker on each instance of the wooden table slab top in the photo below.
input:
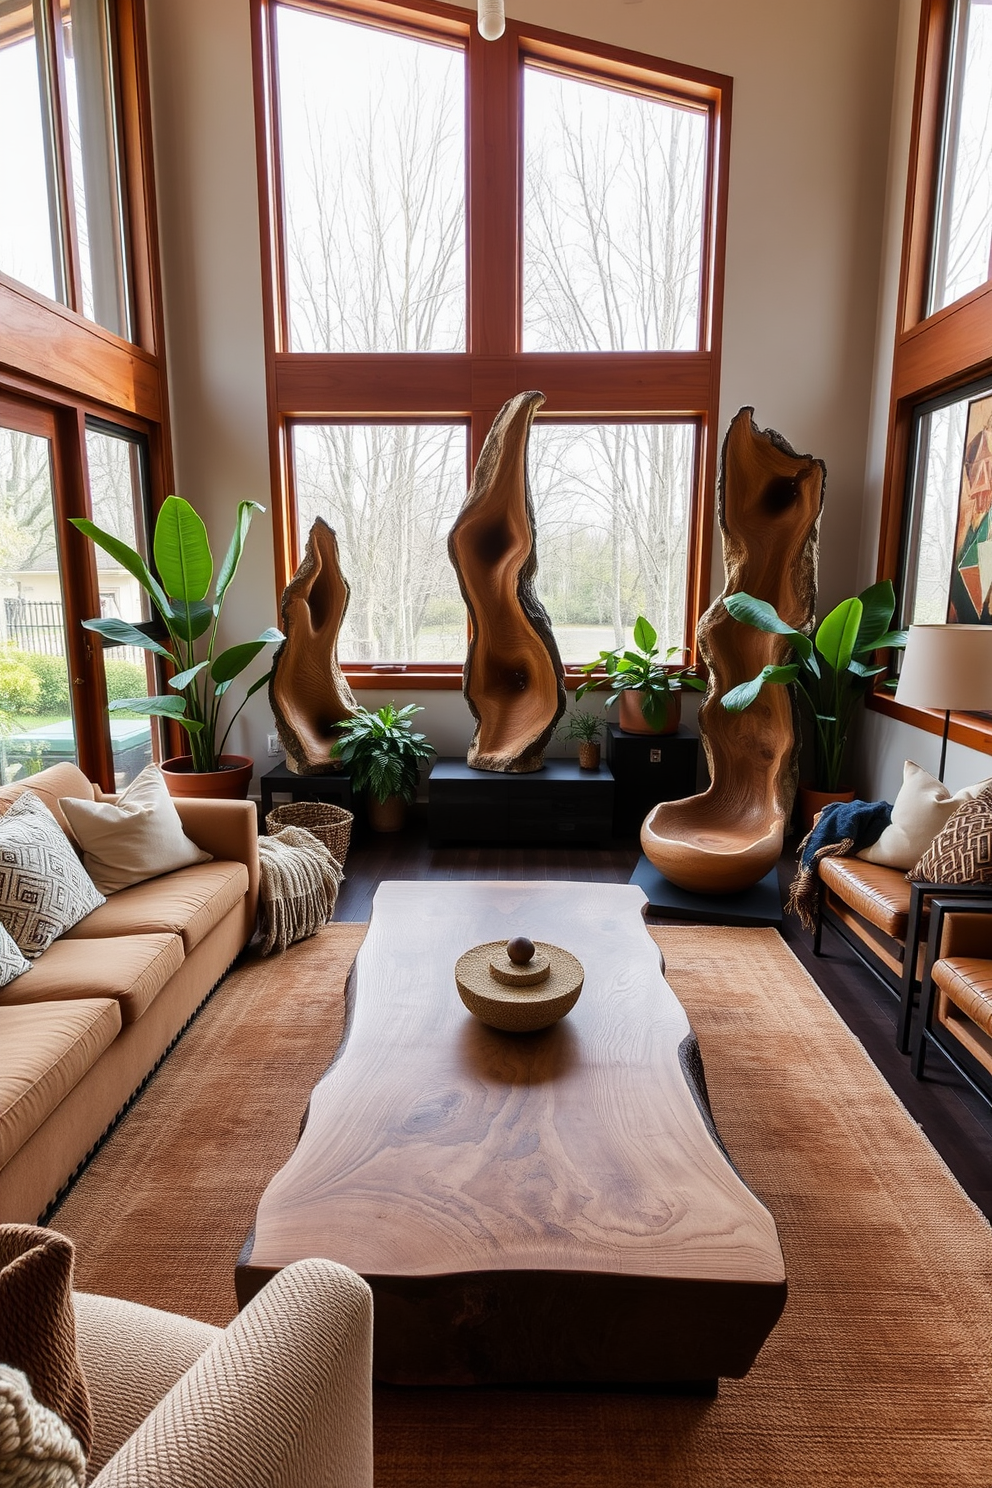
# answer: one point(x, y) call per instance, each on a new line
point(554, 1205)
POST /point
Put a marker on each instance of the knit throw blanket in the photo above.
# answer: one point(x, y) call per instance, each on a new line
point(299, 880)
point(842, 828)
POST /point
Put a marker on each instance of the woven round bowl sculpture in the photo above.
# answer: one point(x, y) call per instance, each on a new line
point(518, 986)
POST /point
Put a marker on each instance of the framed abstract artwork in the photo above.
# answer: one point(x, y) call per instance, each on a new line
point(971, 571)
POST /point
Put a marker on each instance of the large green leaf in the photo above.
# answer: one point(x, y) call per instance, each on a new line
point(763, 616)
point(878, 603)
point(229, 567)
point(123, 634)
point(126, 557)
point(645, 635)
point(745, 693)
point(190, 621)
point(183, 679)
point(838, 632)
point(182, 551)
point(160, 707)
point(234, 660)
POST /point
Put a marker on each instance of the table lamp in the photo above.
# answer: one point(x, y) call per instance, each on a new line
point(948, 667)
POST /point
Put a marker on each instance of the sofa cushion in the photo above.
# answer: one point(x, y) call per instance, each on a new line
point(49, 785)
point(922, 807)
point(880, 895)
point(133, 969)
point(44, 888)
point(38, 1323)
point(47, 1049)
point(136, 837)
point(189, 902)
point(12, 962)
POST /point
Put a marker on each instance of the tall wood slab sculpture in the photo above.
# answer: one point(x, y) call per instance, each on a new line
point(513, 678)
point(729, 837)
point(308, 691)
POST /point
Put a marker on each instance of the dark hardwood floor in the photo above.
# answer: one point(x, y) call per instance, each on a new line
point(956, 1120)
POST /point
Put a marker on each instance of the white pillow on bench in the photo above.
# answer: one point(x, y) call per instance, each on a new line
point(922, 808)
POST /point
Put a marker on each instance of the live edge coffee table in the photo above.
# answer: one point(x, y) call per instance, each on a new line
point(552, 1207)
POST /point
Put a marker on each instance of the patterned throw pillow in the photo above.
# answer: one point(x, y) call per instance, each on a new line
point(44, 889)
point(962, 852)
point(12, 963)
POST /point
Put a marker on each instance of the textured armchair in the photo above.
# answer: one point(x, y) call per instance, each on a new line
point(281, 1398)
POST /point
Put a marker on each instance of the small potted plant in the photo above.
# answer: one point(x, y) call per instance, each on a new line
point(383, 755)
point(198, 686)
point(647, 688)
point(831, 672)
point(586, 728)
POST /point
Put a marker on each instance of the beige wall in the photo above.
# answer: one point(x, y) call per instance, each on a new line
point(813, 103)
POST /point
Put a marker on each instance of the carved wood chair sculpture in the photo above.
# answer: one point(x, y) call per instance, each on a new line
point(727, 838)
point(513, 680)
point(308, 691)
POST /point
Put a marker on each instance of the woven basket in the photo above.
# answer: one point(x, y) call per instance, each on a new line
point(331, 825)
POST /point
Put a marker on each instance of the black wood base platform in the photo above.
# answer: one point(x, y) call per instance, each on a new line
point(759, 905)
point(558, 803)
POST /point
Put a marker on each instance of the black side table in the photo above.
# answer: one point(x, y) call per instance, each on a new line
point(648, 768)
point(282, 781)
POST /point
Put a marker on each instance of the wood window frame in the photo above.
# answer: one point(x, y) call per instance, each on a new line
point(471, 386)
point(935, 355)
point(60, 368)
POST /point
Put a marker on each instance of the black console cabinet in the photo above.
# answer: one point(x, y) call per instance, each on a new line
point(648, 768)
point(557, 804)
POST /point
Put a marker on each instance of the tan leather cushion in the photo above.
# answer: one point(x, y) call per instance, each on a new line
point(47, 1049)
point(58, 780)
point(189, 903)
point(967, 981)
point(38, 1324)
point(131, 968)
point(880, 895)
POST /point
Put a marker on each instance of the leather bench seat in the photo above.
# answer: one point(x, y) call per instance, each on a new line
point(967, 982)
point(879, 895)
point(47, 1049)
point(188, 902)
point(132, 969)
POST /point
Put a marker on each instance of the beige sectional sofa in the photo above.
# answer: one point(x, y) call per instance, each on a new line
point(83, 1028)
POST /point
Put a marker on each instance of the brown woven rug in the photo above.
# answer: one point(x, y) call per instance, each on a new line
point(880, 1372)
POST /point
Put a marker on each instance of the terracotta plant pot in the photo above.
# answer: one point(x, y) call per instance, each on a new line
point(589, 755)
point(388, 815)
point(230, 783)
point(632, 720)
point(811, 801)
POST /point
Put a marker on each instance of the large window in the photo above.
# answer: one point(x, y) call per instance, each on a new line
point(938, 483)
point(83, 415)
point(452, 221)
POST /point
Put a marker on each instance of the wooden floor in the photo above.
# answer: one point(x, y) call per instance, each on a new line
point(956, 1120)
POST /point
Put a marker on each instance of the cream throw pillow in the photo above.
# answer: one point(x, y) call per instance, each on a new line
point(37, 1449)
point(138, 836)
point(922, 808)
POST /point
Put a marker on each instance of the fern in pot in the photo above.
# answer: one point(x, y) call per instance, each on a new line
point(383, 755)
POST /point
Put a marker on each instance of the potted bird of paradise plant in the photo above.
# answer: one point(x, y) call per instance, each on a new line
point(201, 676)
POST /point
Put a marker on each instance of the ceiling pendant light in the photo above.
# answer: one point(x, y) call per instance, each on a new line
point(492, 20)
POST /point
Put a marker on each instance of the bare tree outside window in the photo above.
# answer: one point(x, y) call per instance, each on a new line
point(963, 242)
point(373, 160)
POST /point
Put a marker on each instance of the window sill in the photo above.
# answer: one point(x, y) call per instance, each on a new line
point(973, 730)
point(413, 678)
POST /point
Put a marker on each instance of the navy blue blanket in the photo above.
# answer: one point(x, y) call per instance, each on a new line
point(843, 827)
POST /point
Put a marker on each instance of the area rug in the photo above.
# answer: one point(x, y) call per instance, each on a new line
point(879, 1373)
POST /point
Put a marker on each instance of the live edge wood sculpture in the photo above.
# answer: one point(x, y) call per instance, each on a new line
point(729, 837)
point(513, 680)
point(308, 692)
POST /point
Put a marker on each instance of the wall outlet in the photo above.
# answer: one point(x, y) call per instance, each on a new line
point(272, 744)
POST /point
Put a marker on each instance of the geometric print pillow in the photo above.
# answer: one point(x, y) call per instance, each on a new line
point(962, 852)
point(44, 889)
point(12, 963)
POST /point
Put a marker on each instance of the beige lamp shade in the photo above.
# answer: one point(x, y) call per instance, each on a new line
point(947, 667)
